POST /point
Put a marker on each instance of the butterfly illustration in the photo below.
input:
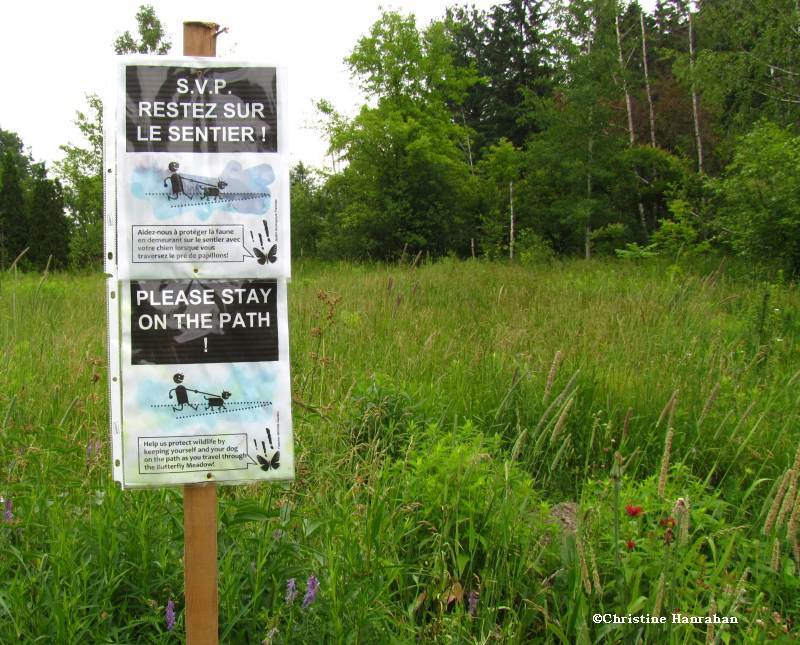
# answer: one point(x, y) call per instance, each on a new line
point(273, 463)
point(271, 255)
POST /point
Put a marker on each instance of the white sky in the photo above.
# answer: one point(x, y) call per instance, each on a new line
point(55, 52)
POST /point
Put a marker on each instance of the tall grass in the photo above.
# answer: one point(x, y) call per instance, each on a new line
point(456, 428)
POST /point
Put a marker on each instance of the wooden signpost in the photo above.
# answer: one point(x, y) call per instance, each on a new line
point(200, 38)
point(200, 563)
point(197, 259)
point(200, 500)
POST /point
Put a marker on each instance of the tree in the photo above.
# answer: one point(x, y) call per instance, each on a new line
point(82, 173)
point(670, 29)
point(748, 61)
point(624, 86)
point(14, 170)
point(406, 185)
point(695, 99)
point(48, 227)
point(398, 62)
point(508, 48)
point(673, 90)
point(580, 152)
point(309, 210)
point(13, 216)
point(583, 118)
point(10, 142)
point(152, 36)
point(648, 88)
point(759, 197)
point(81, 169)
point(500, 167)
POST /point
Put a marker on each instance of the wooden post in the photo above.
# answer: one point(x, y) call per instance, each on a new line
point(200, 38)
point(200, 563)
point(200, 500)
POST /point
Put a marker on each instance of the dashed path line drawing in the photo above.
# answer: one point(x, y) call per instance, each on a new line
point(237, 409)
point(220, 199)
point(234, 407)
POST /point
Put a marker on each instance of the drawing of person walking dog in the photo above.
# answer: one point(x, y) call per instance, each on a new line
point(204, 187)
point(213, 401)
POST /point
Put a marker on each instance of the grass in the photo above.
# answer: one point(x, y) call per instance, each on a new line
point(435, 465)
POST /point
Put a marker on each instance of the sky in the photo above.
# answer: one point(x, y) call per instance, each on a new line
point(56, 52)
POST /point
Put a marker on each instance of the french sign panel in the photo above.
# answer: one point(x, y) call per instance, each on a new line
point(197, 241)
point(202, 175)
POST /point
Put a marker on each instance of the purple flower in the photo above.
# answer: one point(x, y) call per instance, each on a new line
point(312, 586)
point(8, 509)
point(92, 449)
point(472, 602)
point(271, 634)
point(291, 590)
point(170, 615)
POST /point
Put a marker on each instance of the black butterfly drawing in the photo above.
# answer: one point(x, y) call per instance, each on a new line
point(271, 255)
point(273, 463)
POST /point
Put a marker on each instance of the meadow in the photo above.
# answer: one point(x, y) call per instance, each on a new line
point(486, 453)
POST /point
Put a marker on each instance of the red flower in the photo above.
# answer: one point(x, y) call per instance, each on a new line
point(669, 536)
point(631, 545)
point(669, 522)
point(633, 511)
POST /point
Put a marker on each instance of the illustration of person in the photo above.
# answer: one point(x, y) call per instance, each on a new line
point(181, 394)
point(176, 181)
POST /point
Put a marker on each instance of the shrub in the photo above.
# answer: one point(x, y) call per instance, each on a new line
point(759, 196)
point(532, 248)
point(477, 523)
point(385, 415)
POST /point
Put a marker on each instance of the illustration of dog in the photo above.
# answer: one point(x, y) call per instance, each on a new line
point(213, 191)
point(217, 401)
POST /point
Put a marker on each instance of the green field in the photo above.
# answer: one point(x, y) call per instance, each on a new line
point(455, 483)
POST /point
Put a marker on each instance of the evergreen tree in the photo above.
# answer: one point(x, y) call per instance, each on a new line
point(13, 220)
point(10, 142)
point(308, 210)
point(48, 226)
point(508, 48)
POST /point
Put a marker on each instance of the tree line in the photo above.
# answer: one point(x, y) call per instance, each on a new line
point(58, 221)
point(533, 128)
point(34, 230)
point(570, 127)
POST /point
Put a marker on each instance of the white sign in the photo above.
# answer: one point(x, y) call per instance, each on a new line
point(202, 170)
point(197, 247)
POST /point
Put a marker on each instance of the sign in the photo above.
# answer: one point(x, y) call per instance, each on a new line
point(197, 249)
point(202, 181)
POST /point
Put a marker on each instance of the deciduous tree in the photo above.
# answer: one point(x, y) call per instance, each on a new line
point(81, 169)
point(407, 184)
point(152, 39)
